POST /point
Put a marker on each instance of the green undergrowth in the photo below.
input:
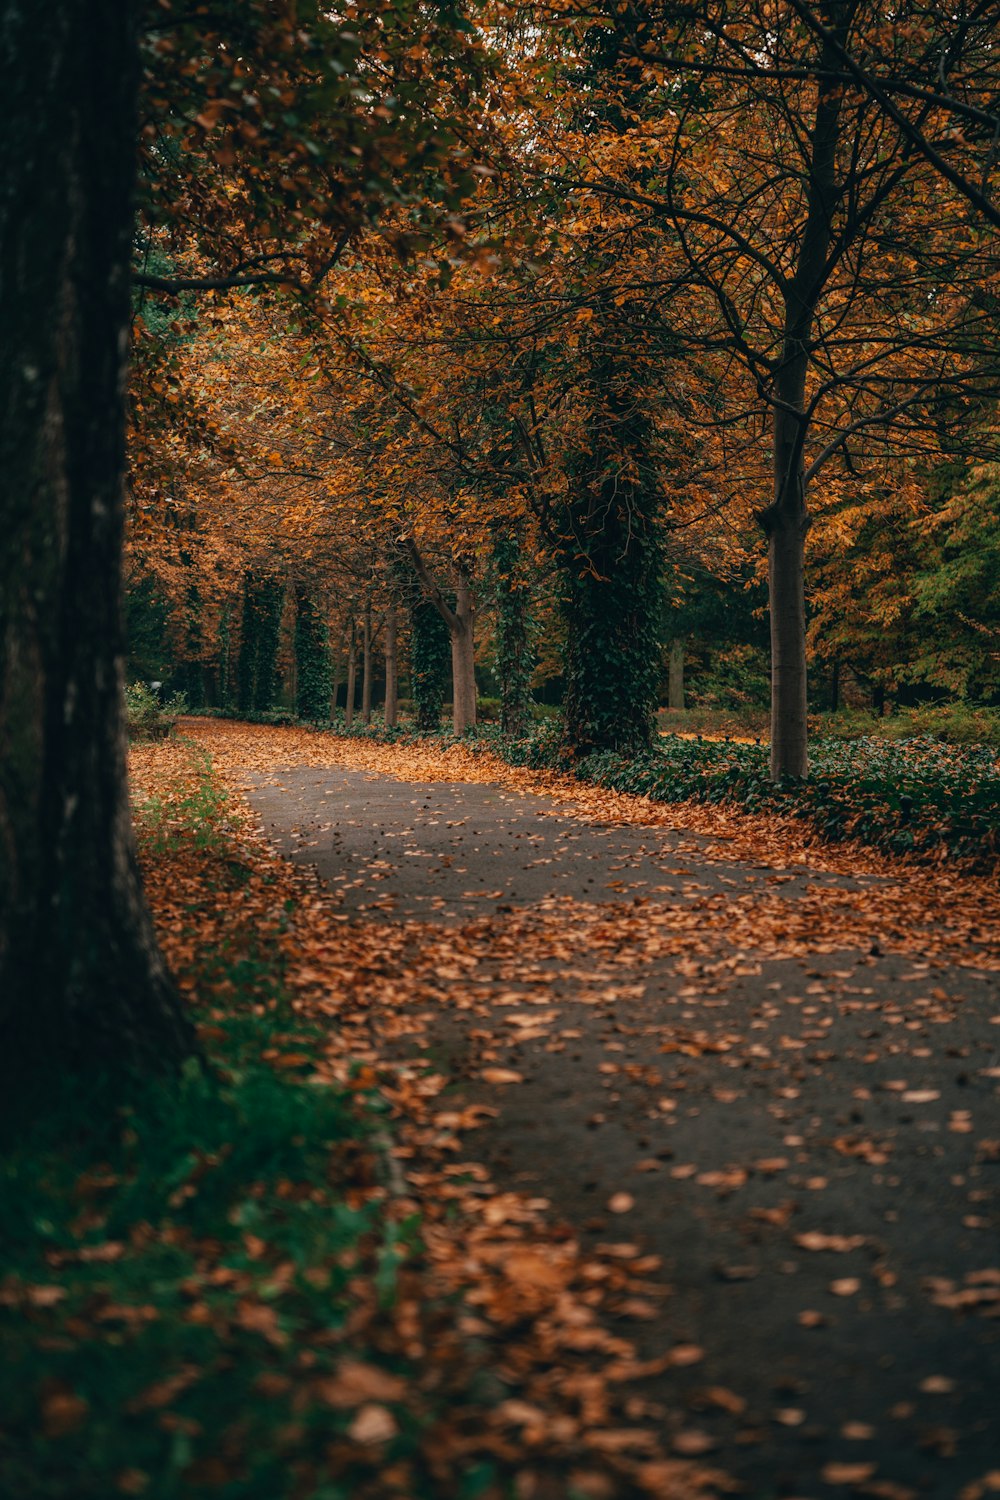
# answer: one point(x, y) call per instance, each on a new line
point(146, 717)
point(182, 1272)
point(918, 796)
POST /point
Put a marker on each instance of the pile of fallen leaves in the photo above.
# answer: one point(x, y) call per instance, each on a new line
point(284, 1276)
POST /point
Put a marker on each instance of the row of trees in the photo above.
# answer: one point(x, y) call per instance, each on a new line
point(615, 284)
point(699, 282)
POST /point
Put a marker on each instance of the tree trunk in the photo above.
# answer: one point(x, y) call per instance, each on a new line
point(270, 605)
point(366, 675)
point(835, 686)
point(460, 622)
point(675, 674)
point(429, 663)
point(785, 523)
point(352, 675)
point(391, 712)
point(463, 657)
point(338, 668)
point(311, 658)
point(513, 628)
point(83, 985)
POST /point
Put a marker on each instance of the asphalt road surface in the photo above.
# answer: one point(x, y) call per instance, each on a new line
point(809, 1136)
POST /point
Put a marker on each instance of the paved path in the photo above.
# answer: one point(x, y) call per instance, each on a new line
point(810, 1139)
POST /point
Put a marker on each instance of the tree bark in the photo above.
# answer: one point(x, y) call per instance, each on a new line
point(675, 674)
point(352, 675)
point(461, 622)
point(83, 985)
point(786, 520)
point(785, 524)
point(835, 686)
point(366, 675)
point(391, 711)
point(463, 658)
point(513, 630)
point(338, 667)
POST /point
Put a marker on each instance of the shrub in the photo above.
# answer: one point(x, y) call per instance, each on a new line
point(146, 717)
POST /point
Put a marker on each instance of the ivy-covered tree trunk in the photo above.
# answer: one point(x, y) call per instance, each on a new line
point(366, 666)
point(225, 657)
point(429, 660)
point(82, 984)
point(352, 674)
point(610, 556)
point(391, 710)
point(271, 602)
point(312, 657)
point(514, 657)
point(459, 621)
point(246, 664)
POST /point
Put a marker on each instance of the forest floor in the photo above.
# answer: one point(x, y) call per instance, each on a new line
point(763, 1077)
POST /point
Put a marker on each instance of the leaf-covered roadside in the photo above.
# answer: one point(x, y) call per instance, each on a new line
point(246, 1285)
point(919, 796)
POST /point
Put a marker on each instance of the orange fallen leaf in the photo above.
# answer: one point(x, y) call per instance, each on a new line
point(355, 1382)
point(841, 1473)
point(620, 1203)
point(373, 1424)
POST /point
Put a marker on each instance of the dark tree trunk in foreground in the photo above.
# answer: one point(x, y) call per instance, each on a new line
point(82, 984)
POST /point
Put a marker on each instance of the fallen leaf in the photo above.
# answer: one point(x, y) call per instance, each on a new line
point(373, 1424)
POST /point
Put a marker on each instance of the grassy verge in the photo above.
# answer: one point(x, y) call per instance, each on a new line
point(182, 1276)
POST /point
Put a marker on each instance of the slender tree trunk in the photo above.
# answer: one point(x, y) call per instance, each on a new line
point(338, 669)
point(785, 524)
point(786, 520)
point(82, 983)
point(391, 712)
point(463, 657)
point(352, 675)
point(366, 675)
point(675, 674)
point(835, 686)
